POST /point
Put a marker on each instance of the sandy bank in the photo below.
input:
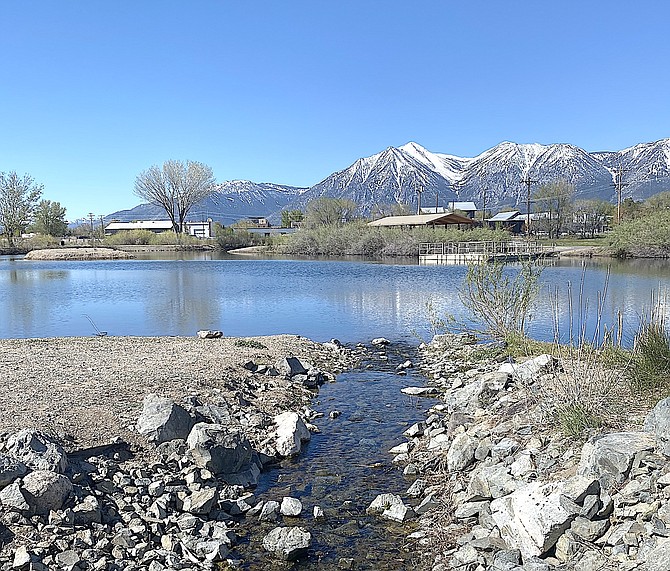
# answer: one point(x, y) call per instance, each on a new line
point(78, 254)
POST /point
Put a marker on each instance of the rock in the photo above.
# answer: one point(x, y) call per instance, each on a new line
point(37, 450)
point(12, 498)
point(532, 518)
point(610, 457)
point(210, 334)
point(658, 559)
point(290, 367)
point(212, 550)
point(383, 502)
point(334, 414)
point(657, 423)
point(162, 420)
point(45, 490)
point(380, 341)
point(87, 512)
point(420, 391)
point(589, 530)
point(291, 507)
point(200, 502)
point(10, 469)
point(22, 558)
point(67, 559)
point(461, 452)
point(318, 512)
point(291, 432)
point(270, 511)
point(489, 482)
point(288, 543)
point(530, 369)
point(465, 399)
point(223, 452)
point(417, 488)
point(216, 414)
point(398, 512)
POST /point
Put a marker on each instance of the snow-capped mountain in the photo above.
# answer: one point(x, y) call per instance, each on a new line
point(397, 175)
point(231, 201)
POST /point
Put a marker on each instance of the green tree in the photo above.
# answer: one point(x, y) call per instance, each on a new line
point(329, 212)
point(176, 187)
point(289, 217)
point(554, 199)
point(591, 216)
point(49, 219)
point(18, 197)
point(659, 201)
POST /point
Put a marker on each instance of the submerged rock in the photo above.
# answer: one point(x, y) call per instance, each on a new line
point(287, 543)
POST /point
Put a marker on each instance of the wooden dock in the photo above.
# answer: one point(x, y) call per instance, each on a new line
point(431, 253)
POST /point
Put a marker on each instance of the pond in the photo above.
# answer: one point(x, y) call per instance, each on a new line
point(349, 300)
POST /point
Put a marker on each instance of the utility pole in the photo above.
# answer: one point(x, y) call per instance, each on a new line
point(527, 181)
point(618, 184)
point(418, 189)
point(90, 217)
point(102, 227)
point(484, 204)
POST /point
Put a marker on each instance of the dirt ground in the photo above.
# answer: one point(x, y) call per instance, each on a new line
point(89, 390)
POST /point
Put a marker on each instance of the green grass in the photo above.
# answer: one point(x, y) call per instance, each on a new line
point(249, 343)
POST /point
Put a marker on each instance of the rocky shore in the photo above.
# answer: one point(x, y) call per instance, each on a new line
point(497, 486)
point(142, 453)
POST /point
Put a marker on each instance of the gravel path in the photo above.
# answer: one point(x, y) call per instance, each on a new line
point(89, 390)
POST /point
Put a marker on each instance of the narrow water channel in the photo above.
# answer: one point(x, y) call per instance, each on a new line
point(345, 467)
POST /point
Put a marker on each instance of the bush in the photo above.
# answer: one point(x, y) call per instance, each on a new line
point(648, 236)
point(359, 239)
point(651, 355)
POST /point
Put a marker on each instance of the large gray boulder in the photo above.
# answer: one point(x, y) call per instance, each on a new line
point(37, 450)
point(658, 559)
point(287, 543)
point(657, 423)
point(532, 518)
point(610, 457)
point(224, 452)
point(45, 491)
point(291, 432)
point(162, 420)
point(291, 366)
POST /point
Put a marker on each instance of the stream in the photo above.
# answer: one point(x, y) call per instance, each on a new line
point(344, 467)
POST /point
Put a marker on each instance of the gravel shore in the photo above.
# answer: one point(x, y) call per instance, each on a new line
point(88, 391)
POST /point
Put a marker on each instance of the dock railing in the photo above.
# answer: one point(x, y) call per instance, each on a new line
point(509, 248)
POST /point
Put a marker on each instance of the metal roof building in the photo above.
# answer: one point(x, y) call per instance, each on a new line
point(439, 219)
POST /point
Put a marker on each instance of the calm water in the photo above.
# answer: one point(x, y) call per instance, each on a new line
point(352, 301)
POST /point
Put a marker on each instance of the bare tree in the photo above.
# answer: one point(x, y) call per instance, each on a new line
point(18, 197)
point(176, 188)
point(554, 199)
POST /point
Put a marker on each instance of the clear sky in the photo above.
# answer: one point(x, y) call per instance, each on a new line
point(93, 92)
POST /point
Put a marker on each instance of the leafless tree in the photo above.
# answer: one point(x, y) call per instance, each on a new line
point(176, 188)
point(18, 198)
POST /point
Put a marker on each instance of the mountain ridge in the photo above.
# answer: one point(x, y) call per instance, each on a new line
point(398, 175)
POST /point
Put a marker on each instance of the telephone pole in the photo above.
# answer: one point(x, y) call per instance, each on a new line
point(527, 181)
point(484, 204)
point(90, 217)
point(618, 184)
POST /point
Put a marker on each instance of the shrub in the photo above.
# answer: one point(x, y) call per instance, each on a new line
point(651, 353)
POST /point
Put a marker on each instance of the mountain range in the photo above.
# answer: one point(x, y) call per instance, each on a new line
point(397, 175)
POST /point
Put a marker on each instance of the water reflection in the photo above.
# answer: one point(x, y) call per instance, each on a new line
point(314, 298)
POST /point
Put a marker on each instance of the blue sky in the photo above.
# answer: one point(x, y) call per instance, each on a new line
point(94, 92)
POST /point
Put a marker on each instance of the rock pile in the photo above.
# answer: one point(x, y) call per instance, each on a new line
point(498, 488)
point(176, 505)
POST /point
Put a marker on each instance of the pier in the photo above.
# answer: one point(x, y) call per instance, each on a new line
point(465, 252)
